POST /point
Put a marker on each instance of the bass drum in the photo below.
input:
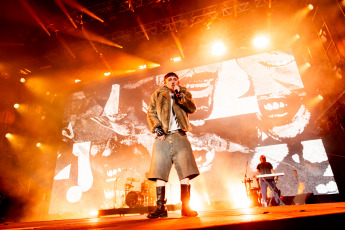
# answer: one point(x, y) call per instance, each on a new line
point(134, 198)
point(255, 197)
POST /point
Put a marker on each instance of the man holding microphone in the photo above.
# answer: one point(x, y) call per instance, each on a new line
point(167, 116)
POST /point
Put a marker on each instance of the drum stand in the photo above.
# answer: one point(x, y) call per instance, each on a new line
point(115, 189)
point(252, 193)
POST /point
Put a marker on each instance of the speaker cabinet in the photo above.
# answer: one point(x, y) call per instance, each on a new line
point(306, 198)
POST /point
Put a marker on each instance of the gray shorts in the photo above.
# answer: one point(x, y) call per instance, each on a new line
point(175, 149)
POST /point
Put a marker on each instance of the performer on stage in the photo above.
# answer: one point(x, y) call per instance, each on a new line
point(266, 168)
point(168, 119)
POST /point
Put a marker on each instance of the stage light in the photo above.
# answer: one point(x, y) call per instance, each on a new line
point(4, 75)
point(238, 195)
point(142, 67)
point(107, 74)
point(311, 7)
point(304, 67)
point(153, 65)
point(22, 80)
point(218, 48)
point(175, 59)
point(77, 80)
point(9, 135)
point(93, 213)
point(196, 202)
point(38, 144)
point(297, 36)
point(261, 41)
point(16, 106)
point(314, 101)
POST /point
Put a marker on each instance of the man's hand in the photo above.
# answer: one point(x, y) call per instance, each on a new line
point(177, 88)
point(159, 131)
point(162, 138)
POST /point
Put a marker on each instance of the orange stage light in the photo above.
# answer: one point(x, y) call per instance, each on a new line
point(261, 41)
point(218, 48)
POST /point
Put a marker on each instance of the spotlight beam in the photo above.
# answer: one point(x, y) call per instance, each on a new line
point(142, 27)
point(94, 37)
point(77, 6)
point(87, 36)
point(64, 44)
point(63, 8)
point(26, 5)
point(178, 43)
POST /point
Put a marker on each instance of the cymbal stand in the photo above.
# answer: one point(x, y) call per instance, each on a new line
point(115, 187)
point(245, 181)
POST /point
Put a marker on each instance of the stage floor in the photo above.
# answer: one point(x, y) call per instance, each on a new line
point(309, 216)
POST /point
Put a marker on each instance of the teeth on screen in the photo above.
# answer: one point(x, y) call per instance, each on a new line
point(111, 173)
point(268, 106)
point(274, 105)
point(278, 115)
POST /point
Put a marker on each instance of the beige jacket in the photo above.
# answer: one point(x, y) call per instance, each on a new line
point(158, 113)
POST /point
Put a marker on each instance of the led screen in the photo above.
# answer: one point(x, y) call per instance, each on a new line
point(246, 107)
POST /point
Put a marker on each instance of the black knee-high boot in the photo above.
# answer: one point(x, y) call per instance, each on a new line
point(161, 210)
point(185, 197)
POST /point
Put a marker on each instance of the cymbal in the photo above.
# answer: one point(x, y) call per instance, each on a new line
point(129, 185)
point(131, 179)
point(247, 180)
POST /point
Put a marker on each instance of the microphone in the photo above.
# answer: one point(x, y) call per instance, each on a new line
point(177, 93)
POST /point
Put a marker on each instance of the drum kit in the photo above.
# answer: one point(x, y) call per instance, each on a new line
point(253, 193)
point(144, 197)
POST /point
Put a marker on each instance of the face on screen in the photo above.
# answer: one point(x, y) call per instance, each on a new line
point(279, 88)
point(200, 81)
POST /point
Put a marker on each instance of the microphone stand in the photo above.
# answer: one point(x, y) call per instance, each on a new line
point(245, 181)
point(115, 186)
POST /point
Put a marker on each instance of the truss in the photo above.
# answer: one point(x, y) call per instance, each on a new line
point(113, 8)
point(187, 20)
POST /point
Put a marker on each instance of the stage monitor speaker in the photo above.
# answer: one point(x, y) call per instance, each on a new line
point(306, 198)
